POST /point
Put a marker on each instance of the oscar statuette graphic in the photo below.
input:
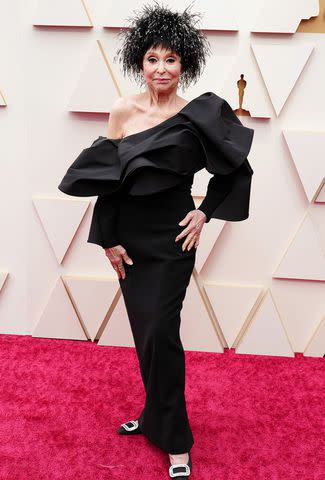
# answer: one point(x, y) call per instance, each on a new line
point(241, 85)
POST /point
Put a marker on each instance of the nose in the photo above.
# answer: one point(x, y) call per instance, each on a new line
point(161, 66)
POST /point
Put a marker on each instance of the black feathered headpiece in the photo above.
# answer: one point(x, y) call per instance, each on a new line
point(158, 25)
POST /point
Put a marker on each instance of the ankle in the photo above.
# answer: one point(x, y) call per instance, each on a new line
point(178, 458)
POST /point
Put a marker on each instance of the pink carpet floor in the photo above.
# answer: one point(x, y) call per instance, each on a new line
point(61, 401)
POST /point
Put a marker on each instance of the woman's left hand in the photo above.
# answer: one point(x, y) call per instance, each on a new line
point(193, 230)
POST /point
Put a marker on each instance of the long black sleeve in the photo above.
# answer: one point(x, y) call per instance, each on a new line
point(103, 223)
point(218, 188)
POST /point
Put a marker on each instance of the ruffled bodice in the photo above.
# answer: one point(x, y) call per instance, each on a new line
point(204, 134)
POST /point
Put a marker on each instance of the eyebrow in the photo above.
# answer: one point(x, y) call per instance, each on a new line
point(150, 52)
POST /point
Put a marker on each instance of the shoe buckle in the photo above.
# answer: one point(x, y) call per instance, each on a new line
point(135, 424)
point(179, 474)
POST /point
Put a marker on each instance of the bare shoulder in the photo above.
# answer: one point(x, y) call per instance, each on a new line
point(128, 111)
point(132, 103)
point(120, 111)
point(116, 118)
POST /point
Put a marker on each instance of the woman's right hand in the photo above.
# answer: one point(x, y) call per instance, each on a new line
point(116, 255)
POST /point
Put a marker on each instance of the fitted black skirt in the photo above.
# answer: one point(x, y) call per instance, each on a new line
point(154, 289)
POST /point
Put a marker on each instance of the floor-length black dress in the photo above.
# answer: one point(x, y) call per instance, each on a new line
point(143, 183)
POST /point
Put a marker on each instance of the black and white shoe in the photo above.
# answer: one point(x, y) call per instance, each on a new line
point(129, 428)
point(181, 470)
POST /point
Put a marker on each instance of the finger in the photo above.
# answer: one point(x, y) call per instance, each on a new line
point(191, 244)
point(118, 267)
point(186, 219)
point(117, 271)
point(122, 270)
point(189, 238)
point(190, 228)
point(127, 259)
point(112, 254)
point(115, 268)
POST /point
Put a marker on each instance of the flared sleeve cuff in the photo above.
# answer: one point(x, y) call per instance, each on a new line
point(96, 170)
point(218, 188)
point(228, 196)
point(227, 143)
point(103, 225)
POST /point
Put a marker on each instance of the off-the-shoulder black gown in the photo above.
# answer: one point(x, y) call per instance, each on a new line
point(143, 183)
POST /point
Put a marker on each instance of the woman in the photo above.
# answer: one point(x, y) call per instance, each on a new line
point(145, 217)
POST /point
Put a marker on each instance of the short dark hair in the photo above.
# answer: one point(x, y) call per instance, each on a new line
point(158, 25)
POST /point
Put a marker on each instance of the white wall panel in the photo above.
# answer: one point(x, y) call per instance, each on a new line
point(96, 90)
point(217, 15)
point(281, 16)
point(70, 13)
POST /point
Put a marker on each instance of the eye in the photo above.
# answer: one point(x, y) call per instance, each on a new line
point(169, 60)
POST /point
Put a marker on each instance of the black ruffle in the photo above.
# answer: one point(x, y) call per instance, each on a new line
point(204, 134)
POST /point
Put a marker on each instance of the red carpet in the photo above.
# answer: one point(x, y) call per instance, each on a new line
point(252, 417)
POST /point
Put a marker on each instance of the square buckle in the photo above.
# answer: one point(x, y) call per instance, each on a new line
point(179, 474)
point(135, 424)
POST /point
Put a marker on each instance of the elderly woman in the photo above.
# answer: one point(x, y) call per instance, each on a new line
point(145, 217)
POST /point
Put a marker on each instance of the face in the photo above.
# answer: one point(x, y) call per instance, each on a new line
point(161, 69)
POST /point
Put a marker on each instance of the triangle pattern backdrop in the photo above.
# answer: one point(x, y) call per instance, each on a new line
point(88, 307)
point(117, 331)
point(92, 298)
point(307, 151)
point(232, 316)
point(266, 334)
point(298, 262)
point(315, 347)
point(59, 318)
point(60, 214)
point(280, 66)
